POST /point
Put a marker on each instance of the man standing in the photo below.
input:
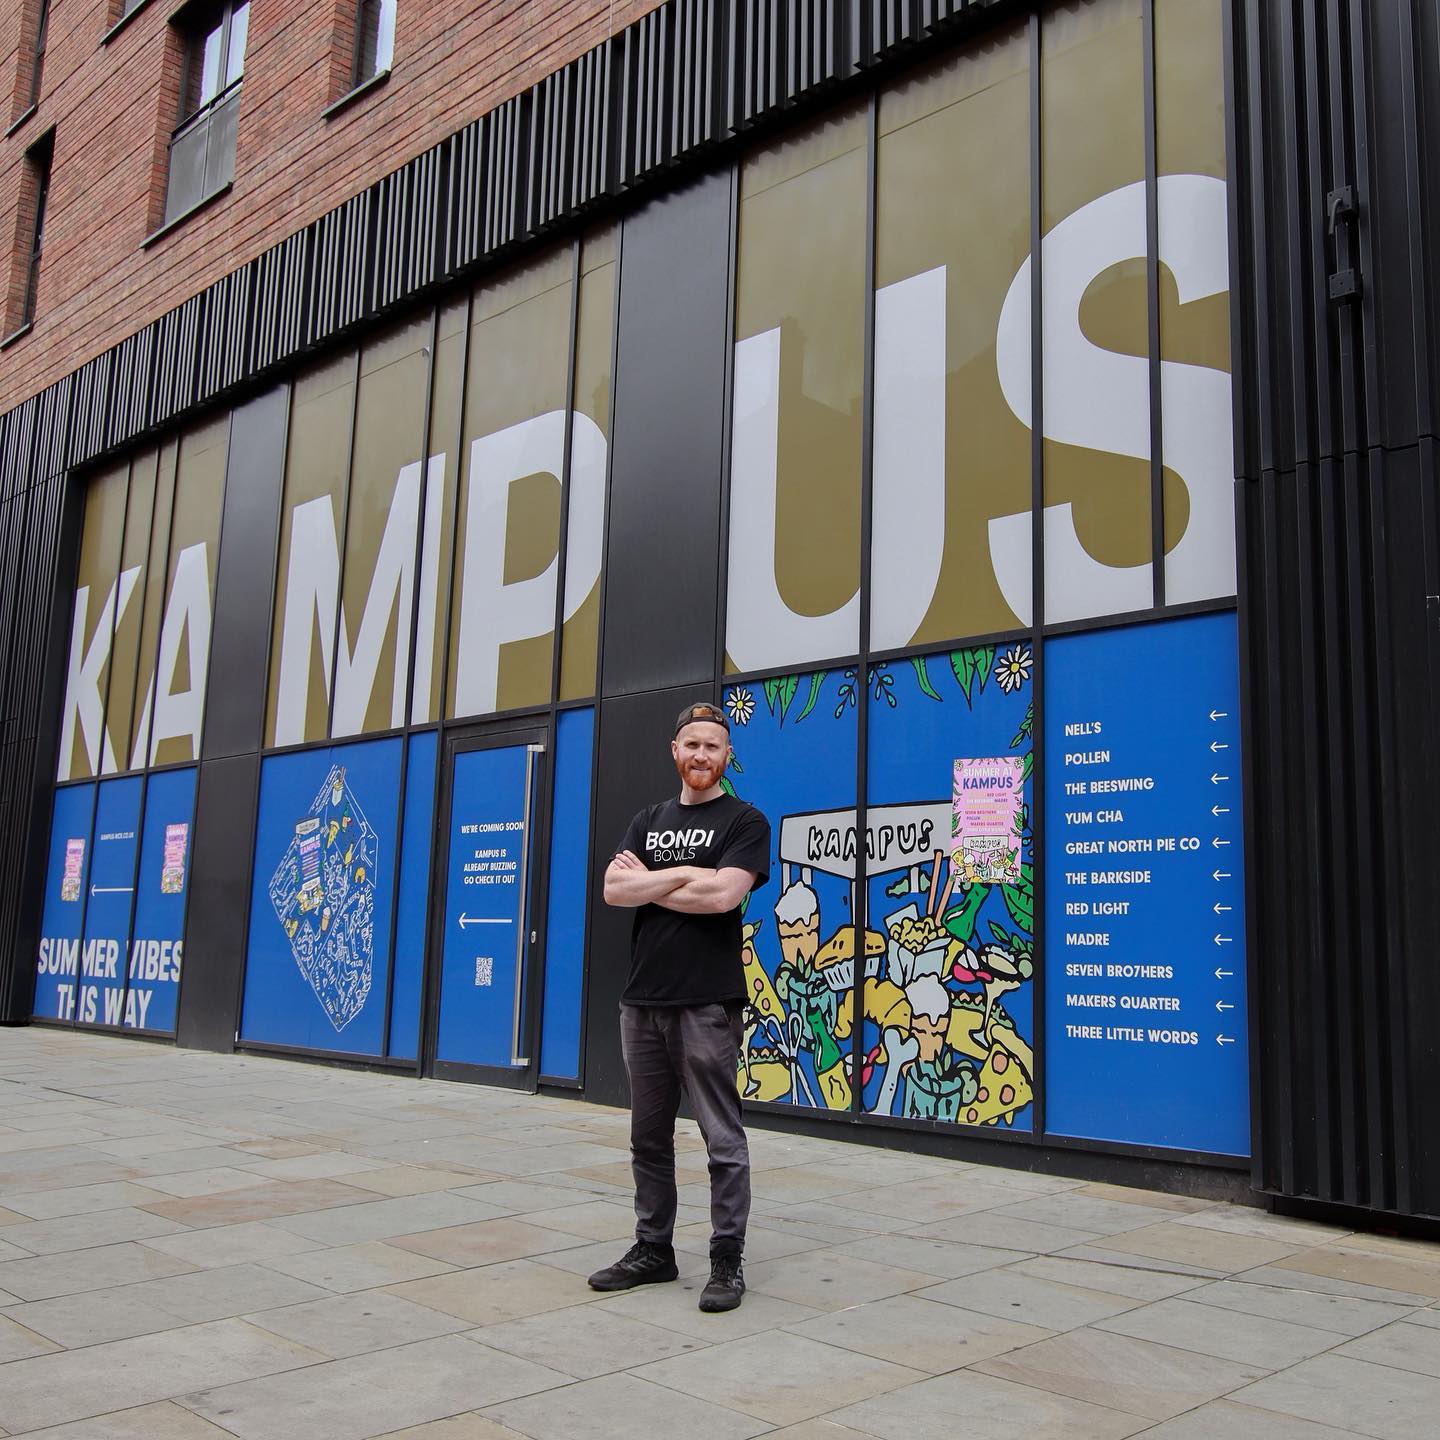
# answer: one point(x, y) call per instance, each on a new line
point(684, 867)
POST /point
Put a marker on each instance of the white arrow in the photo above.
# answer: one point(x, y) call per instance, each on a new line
point(1218, 745)
point(1223, 1005)
point(1220, 909)
point(477, 920)
point(1219, 715)
point(1218, 779)
point(1224, 1039)
point(1219, 809)
point(1217, 842)
point(1223, 974)
point(1222, 875)
point(112, 889)
point(1224, 939)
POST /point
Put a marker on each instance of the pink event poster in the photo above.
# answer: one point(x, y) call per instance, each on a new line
point(172, 868)
point(985, 847)
point(74, 866)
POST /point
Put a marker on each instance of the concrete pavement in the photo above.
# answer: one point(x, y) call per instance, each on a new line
point(195, 1245)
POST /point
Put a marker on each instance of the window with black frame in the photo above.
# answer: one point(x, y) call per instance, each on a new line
point(42, 31)
point(37, 161)
point(202, 151)
point(374, 39)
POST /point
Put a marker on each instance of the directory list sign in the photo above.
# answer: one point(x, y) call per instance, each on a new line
point(1144, 914)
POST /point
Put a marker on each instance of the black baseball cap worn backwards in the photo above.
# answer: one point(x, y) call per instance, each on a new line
point(701, 710)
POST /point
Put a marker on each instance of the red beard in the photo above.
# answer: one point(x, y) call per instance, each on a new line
point(699, 774)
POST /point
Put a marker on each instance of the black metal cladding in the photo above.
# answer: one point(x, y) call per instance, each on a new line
point(1337, 150)
point(279, 323)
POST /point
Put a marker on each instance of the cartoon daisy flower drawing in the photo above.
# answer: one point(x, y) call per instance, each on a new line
point(1012, 669)
point(741, 705)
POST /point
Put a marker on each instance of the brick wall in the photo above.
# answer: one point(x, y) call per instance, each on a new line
point(113, 107)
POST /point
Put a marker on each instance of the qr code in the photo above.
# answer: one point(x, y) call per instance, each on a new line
point(484, 970)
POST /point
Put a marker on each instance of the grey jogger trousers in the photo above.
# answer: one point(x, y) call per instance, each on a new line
point(696, 1047)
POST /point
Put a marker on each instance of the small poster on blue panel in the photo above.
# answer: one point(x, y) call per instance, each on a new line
point(157, 945)
point(58, 962)
point(1145, 906)
point(325, 851)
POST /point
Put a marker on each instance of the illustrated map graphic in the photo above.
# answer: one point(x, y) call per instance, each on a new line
point(323, 893)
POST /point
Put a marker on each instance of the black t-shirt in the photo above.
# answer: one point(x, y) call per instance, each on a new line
point(693, 959)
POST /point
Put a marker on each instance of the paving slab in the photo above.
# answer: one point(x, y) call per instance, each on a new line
point(79, 1384)
point(586, 1341)
point(163, 1420)
point(47, 1276)
point(1341, 1314)
point(1375, 1400)
point(623, 1405)
point(1403, 1345)
point(782, 1378)
point(85, 1232)
point(345, 1268)
point(78, 1199)
point(1029, 1299)
point(984, 1407)
point(19, 1341)
point(94, 1317)
point(473, 1426)
point(922, 1334)
point(366, 1395)
point(345, 1325)
point(1224, 1334)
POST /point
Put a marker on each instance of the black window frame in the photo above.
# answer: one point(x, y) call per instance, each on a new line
point(363, 76)
point(39, 160)
point(42, 39)
point(198, 125)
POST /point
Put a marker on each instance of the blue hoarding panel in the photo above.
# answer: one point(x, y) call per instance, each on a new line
point(66, 878)
point(325, 851)
point(156, 949)
point(957, 921)
point(794, 743)
point(569, 881)
point(484, 906)
point(411, 927)
point(1146, 1019)
point(111, 898)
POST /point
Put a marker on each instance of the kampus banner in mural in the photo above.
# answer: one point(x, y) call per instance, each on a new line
point(929, 1015)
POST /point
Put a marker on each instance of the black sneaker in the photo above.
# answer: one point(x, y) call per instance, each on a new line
point(642, 1264)
point(726, 1286)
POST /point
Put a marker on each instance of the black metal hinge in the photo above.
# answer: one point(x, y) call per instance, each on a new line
point(1340, 206)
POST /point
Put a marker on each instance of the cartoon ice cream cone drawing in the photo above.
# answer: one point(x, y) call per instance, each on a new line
point(797, 920)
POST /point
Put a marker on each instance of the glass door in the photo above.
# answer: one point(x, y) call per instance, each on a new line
point(489, 932)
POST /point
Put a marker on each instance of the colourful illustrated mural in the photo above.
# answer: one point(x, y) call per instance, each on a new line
point(323, 893)
point(944, 1016)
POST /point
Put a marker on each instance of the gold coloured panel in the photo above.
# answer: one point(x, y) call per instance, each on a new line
point(502, 644)
point(155, 588)
point(316, 460)
point(1096, 324)
point(795, 480)
point(199, 498)
point(382, 531)
point(952, 237)
point(1194, 303)
point(120, 701)
point(83, 747)
point(594, 340)
point(447, 393)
